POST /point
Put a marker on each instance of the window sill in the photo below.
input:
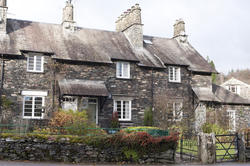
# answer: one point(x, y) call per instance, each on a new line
point(121, 78)
point(32, 118)
point(177, 82)
point(125, 120)
point(36, 72)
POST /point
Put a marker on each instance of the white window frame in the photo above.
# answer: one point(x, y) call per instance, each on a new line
point(33, 95)
point(34, 65)
point(174, 111)
point(130, 108)
point(176, 74)
point(234, 120)
point(237, 88)
point(122, 74)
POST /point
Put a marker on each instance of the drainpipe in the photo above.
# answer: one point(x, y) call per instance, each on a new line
point(54, 85)
point(1, 86)
point(152, 88)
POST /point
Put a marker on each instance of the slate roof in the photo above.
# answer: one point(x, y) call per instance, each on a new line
point(78, 87)
point(205, 94)
point(92, 45)
point(227, 97)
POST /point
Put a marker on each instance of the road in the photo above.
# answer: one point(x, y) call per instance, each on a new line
point(10, 163)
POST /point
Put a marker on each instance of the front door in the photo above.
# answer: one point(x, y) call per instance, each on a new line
point(91, 106)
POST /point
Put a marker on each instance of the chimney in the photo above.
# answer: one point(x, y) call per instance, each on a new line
point(130, 24)
point(68, 22)
point(179, 31)
point(3, 17)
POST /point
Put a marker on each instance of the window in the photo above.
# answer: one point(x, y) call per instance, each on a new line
point(124, 109)
point(234, 88)
point(231, 120)
point(33, 104)
point(174, 74)
point(175, 111)
point(122, 70)
point(35, 63)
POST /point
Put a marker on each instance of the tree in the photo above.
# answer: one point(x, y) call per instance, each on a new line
point(214, 75)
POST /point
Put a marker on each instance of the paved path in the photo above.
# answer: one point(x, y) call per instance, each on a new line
point(10, 163)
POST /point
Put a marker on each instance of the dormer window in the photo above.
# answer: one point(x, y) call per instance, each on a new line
point(234, 89)
point(35, 63)
point(123, 70)
point(174, 74)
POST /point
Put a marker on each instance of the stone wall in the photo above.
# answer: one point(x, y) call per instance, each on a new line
point(202, 81)
point(219, 114)
point(63, 151)
point(17, 79)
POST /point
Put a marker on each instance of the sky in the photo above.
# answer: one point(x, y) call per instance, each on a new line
point(218, 29)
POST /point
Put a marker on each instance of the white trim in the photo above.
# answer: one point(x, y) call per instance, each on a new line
point(130, 109)
point(34, 64)
point(33, 108)
point(176, 74)
point(174, 111)
point(122, 70)
point(34, 93)
point(233, 112)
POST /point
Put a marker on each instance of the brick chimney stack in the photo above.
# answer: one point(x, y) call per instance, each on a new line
point(131, 25)
point(68, 22)
point(179, 30)
point(3, 17)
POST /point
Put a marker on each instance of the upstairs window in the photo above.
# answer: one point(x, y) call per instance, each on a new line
point(35, 63)
point(234, 88)
point(174, 74)
point(123, 70)
point(123, 108)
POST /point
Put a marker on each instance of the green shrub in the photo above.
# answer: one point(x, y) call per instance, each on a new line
point(213, 128)
point(131, 154)
point(70, 123)
point(148, 117)
point(139, 129)
point(6, 103)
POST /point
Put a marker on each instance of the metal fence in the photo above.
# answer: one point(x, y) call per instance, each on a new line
point(227, 148)
point(72, 130)
point(188, 147)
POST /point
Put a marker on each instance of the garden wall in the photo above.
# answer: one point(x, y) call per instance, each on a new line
point(63, 150)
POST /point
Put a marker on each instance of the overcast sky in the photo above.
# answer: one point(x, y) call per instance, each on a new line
point(219, 29)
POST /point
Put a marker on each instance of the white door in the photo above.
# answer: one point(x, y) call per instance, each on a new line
point(232, 120)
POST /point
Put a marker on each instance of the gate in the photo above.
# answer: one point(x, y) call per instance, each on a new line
point(227, 147)
point(188, 147)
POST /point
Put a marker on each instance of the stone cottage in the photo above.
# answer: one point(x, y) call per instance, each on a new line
point(49, 66)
